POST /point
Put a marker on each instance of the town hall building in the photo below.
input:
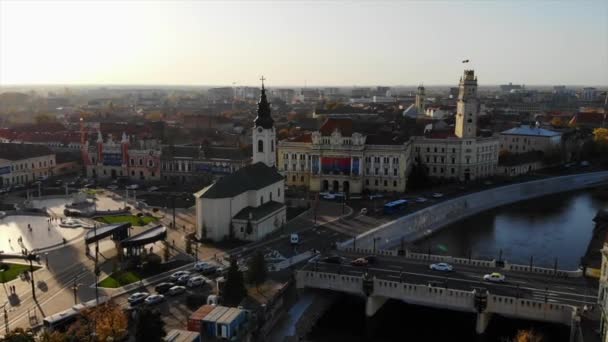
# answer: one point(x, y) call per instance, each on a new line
point(249, 203)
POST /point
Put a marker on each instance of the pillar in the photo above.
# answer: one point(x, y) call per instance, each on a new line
point(373, 304)
point(575, 325)
point(483, 319)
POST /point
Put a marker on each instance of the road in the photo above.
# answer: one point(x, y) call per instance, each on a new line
point(573, 291)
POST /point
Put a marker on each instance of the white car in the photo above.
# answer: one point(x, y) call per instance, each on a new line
point(494, 277)
point(205, 268)
point(442, 266)
point(154, 299)
point(421, 200)
point(133, 187)
point(177, 289)
point(329, 197)
point(437, 195)
point(178, 275)
point(137, 297)
point(196, 281)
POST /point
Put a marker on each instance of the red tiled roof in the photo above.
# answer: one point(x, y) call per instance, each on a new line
point(304, 138)
point(587, 118)
point(345, 126)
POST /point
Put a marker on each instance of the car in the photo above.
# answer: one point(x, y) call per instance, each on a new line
point(183, 279)
point(133, 187)
point(359, 262)
point(329, 197)
point(153, 188)
point(177, 289)
point(137, 297)
point(332, 259)
point(437, 195)
point(196, 281)
point(205, 268)
point(442, 266)
point(88, 186)
point(163, 287)
point(178, 274)
point(154, 299)
point(494, 277)
point(18, 186)
point(363, 211)
point(112, 187)
point(421, 200)
point(58, 182)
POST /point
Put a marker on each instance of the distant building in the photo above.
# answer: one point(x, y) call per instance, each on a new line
point(509, 88)
point(526, 138)
point(335, 158)
point(24, 163)
point(589, 94)
point(249, 203)
point(461, 155)
point(439, 112)
point(360, 92)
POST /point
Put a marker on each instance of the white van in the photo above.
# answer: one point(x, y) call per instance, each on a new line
point(294, 239)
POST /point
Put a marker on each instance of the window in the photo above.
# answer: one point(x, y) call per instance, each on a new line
point(428, 149)
point(453, 150)
point(141, 162)
point(270, 196)
point(427, 159)
point(395, 183)
point(260, 146)
point(286, 156)
point(385, 183)
point(394, 172)
point(386, 172)
point(132, 173)
point(434, 169)
point(367, 182)
point(272, 145)
point(285, 167)
point(435, 150)
point(376, 182)
point(301, 178)
point(376, 171)
point(279, 192)
point(261, 200)
point(293, 178)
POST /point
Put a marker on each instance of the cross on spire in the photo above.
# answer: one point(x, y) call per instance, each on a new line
point(262, 79)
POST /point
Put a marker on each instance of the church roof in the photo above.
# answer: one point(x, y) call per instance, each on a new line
point(411, 111)
point(251, 177)
point(264, 119)
point(258, 212)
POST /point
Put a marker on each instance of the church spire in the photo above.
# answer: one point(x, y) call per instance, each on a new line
point(263, 119)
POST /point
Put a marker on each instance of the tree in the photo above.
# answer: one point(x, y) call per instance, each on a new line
point(234, 288)
point(557, 122)
point(600, 135)
point(257, 269)
point(149, 327)
point(19, 335)
point(166, 251)
point(106, 320)
point(418, 177)
point(188, 245)
point(527, 336)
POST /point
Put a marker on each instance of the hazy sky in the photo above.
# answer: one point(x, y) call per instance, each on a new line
point(321, 43)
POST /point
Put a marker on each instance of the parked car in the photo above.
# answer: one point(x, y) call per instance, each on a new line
point(294, 239)
point(585, 163)
point(112, 187)
point(205, 268)
point(154, 299)
point(442, 266)
point(437, 195)
point(178, 274)
point(137, 297)
point(163, 287)
point(196, 281)
point(494, 277)
point(58, 182)
point(153, 188)
point(183, 280)
point(421, 199)
point(176, 290)
point(359, 262)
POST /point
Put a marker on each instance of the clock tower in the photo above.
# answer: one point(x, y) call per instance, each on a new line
point(264, 135)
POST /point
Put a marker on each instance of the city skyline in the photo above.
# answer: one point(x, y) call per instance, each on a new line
point(330, 44)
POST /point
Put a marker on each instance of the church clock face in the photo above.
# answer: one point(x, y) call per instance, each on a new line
point(259, 129)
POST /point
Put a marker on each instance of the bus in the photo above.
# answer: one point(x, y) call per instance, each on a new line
point(395, 206)
point(61, 320)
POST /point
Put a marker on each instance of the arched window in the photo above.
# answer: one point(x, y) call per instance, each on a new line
point(260, 146)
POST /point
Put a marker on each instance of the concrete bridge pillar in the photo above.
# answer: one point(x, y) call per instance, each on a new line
point(483, 319)
point(575, 325)
point(373, 304)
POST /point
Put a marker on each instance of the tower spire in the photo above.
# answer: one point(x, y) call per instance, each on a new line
point(264, 119)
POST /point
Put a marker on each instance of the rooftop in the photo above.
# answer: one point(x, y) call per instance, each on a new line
point(258, 212)
point(250, 177)
point(23, 151)
point(530, 131)
point(344, 126)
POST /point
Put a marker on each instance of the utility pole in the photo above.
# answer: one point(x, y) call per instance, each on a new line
point(30, 258)
point(96, 265)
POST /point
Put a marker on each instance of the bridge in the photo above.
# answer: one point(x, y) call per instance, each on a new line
point(531, 293)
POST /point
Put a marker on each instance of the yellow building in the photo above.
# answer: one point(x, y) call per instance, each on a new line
point(335, 158)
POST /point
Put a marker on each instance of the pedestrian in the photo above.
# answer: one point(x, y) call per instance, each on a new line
point(9, 241)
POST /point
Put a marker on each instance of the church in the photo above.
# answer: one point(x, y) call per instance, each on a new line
point(249, 203)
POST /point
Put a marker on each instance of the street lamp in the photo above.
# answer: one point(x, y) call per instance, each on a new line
point(31, 257)
point(5, 317)
point(75, 289)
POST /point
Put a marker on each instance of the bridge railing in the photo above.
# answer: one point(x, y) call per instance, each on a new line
point(370, 251)
point(530, 309)
point(544, 270)
point(329, 281)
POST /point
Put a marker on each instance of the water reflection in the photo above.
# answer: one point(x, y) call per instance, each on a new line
point(548, 229)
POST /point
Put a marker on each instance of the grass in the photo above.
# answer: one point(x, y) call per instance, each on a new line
point(13, 271)
point(134, 220)
point(120, 278)
point(90, 191)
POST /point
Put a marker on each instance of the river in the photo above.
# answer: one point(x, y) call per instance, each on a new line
point(556, 227)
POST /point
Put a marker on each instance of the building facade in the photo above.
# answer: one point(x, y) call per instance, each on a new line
point(337, 159)
point(526, 138)
point(24, 163)
point(110, 159)
point(464, 155)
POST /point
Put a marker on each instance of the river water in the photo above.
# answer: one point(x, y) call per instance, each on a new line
point(548, 228)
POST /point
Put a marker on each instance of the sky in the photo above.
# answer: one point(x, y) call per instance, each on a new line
point(295, 43)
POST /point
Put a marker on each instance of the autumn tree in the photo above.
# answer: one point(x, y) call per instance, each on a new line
point(600, 135)
point(528, 336)
point(106, 320)
point(557, 122)
point(19, 335)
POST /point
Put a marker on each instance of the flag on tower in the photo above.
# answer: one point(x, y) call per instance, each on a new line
point(465, 61)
